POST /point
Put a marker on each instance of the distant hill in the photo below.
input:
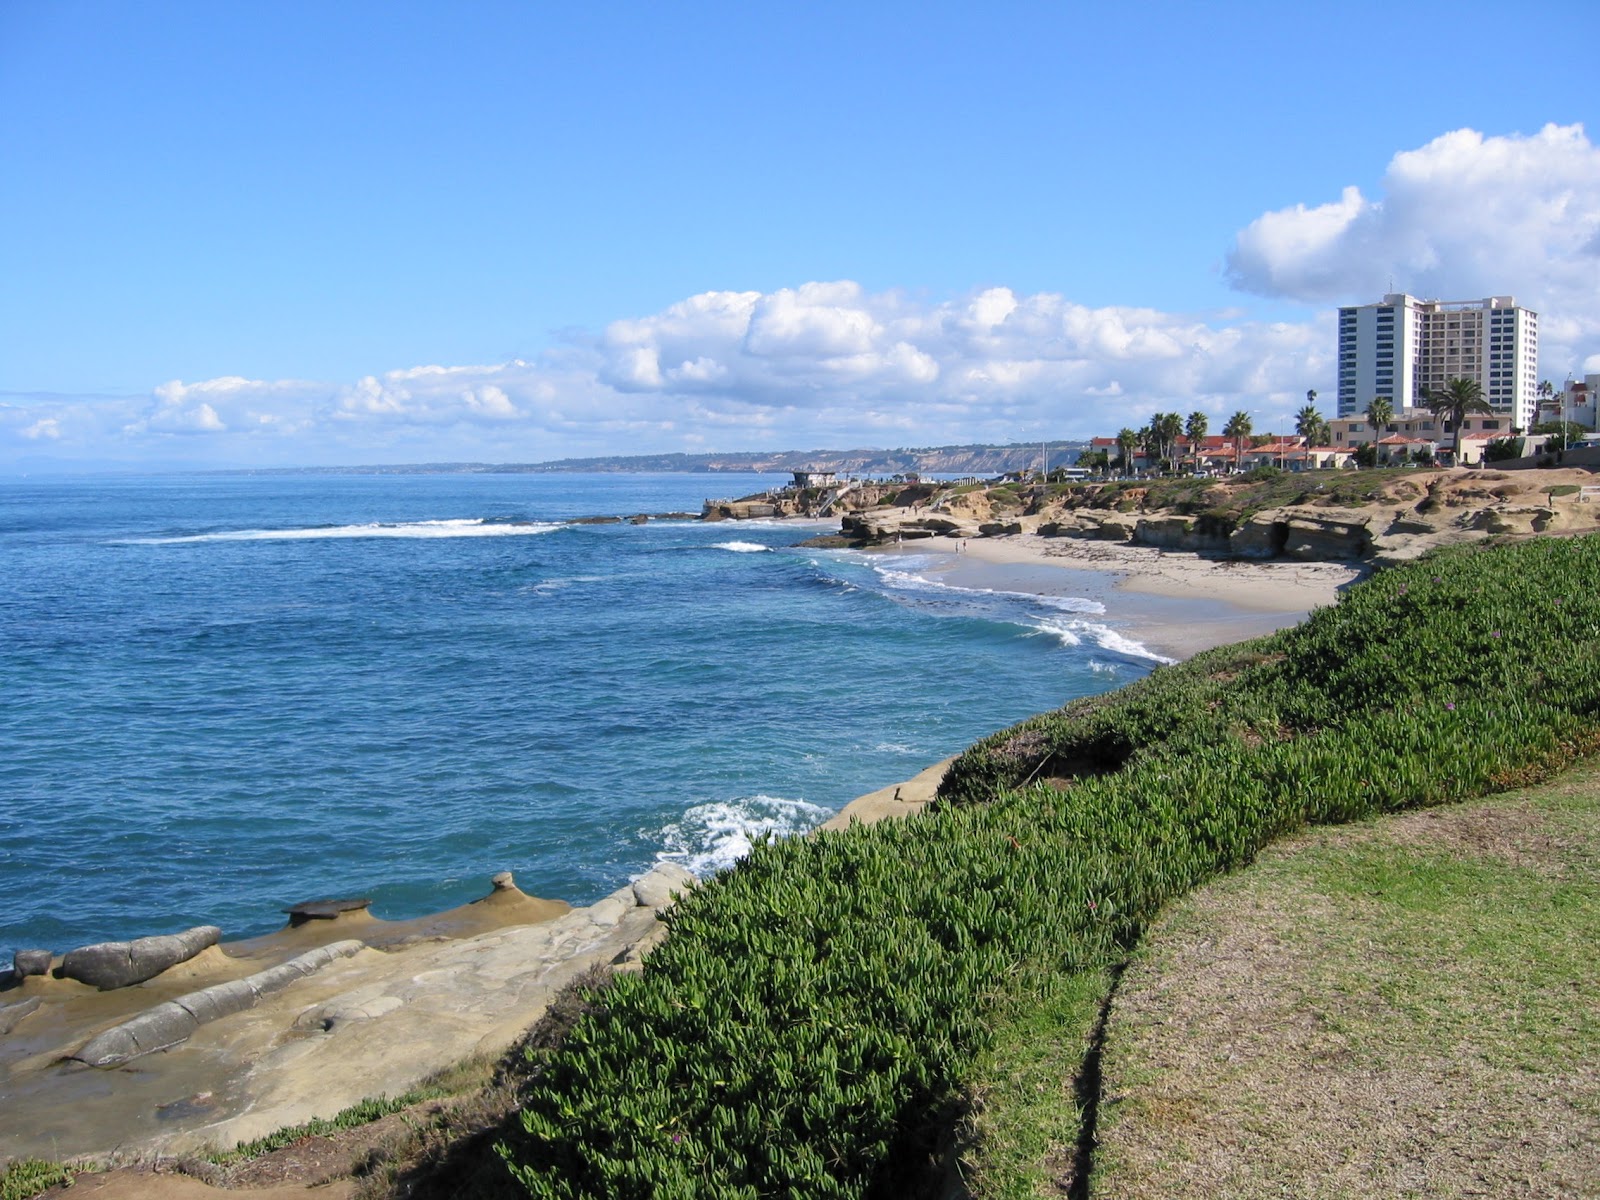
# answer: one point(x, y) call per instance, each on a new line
point(974, 459)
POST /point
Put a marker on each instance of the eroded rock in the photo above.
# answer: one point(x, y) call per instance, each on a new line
point(31, 962)
point(174, 1022)
point(11, 1015)
point(111, 965)
point(662, 884)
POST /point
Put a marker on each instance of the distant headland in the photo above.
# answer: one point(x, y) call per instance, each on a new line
point(975, 459)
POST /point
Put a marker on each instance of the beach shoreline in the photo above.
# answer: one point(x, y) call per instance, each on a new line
point(400, 1000)
point(1173, 603)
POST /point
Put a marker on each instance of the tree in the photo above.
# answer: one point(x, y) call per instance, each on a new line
point(1095, 460)
point(1379, 413)
point(1561, 433)
point(1165, 429)
point(1501, 449)
point(1127, 443)
point(1237, 428)
point(1309, 423)
point(1455, 401)
point(1195, 430)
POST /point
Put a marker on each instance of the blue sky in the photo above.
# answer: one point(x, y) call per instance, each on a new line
point(295, 233)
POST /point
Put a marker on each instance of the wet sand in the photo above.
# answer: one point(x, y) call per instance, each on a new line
point(1173, 603)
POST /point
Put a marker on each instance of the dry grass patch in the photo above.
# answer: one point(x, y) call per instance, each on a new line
point(1409, 1007)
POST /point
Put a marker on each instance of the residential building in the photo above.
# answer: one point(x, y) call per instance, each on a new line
point(1415, 429)
point(1217, 454)
point(1403, 348)
point(1574, 402)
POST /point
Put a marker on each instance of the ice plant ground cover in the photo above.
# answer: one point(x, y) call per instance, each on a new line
point(810, 1026)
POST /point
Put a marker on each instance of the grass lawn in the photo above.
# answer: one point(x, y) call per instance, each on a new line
point(1402, 1007)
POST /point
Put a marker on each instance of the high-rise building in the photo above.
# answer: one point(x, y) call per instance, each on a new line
point(1404, 348)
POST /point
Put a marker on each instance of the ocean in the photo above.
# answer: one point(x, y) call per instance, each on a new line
point(224, 694)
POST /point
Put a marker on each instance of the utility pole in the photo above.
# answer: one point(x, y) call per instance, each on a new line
point(1566, 390)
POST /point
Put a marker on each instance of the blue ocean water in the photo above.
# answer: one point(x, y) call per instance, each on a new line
point(220, 695)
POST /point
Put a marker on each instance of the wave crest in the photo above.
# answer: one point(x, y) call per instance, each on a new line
point(456, 528)
point(712, 837)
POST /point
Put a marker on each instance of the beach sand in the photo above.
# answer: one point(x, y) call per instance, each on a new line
point(1171, 602)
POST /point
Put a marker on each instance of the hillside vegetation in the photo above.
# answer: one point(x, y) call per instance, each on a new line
point(813, 1024)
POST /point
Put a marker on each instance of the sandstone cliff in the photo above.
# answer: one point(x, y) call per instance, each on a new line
point(1375, 516)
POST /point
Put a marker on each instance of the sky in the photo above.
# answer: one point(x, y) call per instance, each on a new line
point(297, 234)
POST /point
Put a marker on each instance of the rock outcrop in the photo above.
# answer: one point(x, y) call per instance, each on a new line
point(31, 962)
point(1399, 516)
point(173, 1023)
point(255, 1043)
point(110, 965)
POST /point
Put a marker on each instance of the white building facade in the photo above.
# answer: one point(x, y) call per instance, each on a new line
point(1574, 402)
point(1403, 348)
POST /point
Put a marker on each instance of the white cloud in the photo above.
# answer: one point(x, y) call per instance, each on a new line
point(47, 427)
point(1462, 217)
point(820, 364)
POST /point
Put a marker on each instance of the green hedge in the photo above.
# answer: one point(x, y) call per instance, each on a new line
point(806, 1029)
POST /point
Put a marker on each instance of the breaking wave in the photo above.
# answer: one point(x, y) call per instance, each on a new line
point(712, 837)
point(466, 527)
point(1079, 632)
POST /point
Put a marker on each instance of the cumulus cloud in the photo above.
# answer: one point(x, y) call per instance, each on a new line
point(822, 363)
point(1466, 215)
point(826, 345)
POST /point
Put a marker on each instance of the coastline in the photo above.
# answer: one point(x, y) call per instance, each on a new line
point(422, 994)
point(1174, 603)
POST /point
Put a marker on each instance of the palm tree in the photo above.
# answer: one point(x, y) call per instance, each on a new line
point(1127, 442)
point(1547, 395)
point(1165, 428)
point(1195, 430)
point(1237, 428)
point(1454, 401)
point(1307, 422)
point(1379, 413)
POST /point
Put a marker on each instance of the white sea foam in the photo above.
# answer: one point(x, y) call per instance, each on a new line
point(1077, 632)
point(910, 581)
point(893, 748)
point(466, 527)
point(741, 547)
point(545, 587)
point(791, 522)
point(712, 837)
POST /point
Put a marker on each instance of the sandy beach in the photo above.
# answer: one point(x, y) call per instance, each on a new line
point(1171, 602)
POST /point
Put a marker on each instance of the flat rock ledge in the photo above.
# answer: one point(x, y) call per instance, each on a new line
point(365, 1022)
point(169, 1024)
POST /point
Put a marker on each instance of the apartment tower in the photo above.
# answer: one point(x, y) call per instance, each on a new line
point(1403, 348)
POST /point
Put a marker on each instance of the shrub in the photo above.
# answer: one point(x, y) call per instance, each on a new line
point(29, 1176)
point(1502, 450)
point(806, 1028)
